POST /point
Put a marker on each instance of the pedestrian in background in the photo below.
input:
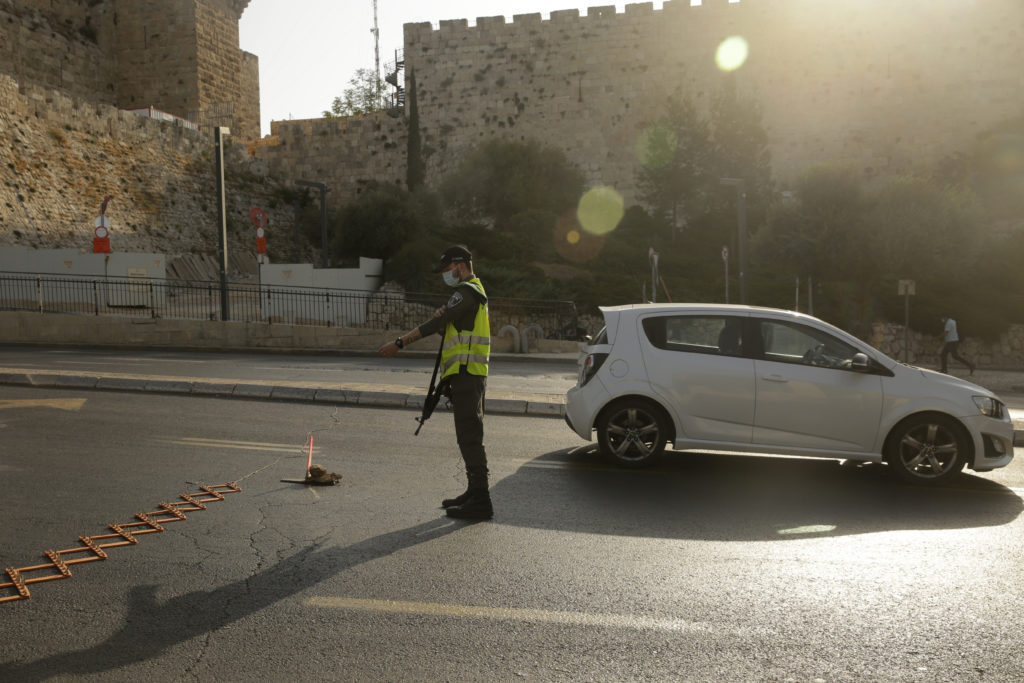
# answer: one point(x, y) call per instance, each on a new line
point(465, 355)
point(951, 345)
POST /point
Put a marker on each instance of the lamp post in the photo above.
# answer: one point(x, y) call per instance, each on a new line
point(323, 218)
point(741, 217)
point(218, 139)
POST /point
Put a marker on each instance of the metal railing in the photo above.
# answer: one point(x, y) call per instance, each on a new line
point(255, 303)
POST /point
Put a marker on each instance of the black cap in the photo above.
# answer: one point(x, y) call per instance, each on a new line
point(454, 254)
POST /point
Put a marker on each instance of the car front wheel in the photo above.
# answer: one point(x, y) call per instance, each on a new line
point(632, 432)
point(927, 449)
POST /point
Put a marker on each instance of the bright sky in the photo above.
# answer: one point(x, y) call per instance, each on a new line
point(310, 49)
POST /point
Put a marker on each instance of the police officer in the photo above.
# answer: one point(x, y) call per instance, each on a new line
point(465, 353)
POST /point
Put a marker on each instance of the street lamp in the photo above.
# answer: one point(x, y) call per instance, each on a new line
point(741, 217)
point(323, 218)
point(218, 140)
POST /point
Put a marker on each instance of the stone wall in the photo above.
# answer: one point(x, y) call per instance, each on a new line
point(882, 85)
point(343, 153)
point(63, 155)
point(923, 349)
point(50, 45)
point(179, 56)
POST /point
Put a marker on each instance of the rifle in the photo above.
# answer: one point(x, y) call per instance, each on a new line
point(433, 393)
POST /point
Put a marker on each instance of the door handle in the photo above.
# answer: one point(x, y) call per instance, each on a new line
point(774, 378)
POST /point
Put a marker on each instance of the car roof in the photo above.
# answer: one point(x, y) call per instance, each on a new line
point(734, 309)
point(727, 309)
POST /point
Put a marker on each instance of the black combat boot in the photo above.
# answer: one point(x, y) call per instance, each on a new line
point(476, 506)
point(457, 500)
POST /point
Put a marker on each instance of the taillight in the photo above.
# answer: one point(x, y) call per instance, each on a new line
point(591, 364)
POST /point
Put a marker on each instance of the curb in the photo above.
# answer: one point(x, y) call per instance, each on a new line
point(294, 394)
point(268, 392)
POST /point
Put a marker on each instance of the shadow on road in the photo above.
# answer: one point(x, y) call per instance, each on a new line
point(728, 497)
point(151, 627)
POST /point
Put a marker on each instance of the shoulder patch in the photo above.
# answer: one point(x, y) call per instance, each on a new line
point(455, 300)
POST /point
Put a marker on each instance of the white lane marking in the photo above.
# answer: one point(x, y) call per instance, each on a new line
point(241, 445)
point(510, 614)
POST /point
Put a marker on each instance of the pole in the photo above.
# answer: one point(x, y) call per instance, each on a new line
point(810, 295)
point(906, 325)
point(741, 220)
point(726, 261)
point(218, 138)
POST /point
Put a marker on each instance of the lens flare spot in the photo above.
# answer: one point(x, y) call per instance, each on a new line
point(572, 243)
point(600, 209)
point(732, 53)
point(656, 146)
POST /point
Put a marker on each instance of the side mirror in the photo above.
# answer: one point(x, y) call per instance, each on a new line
point(859, 362)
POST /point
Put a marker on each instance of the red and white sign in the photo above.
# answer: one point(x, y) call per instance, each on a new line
point(259, 218)
point(101, 241)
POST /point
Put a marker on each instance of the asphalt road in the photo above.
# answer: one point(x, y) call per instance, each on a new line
point(708, 567)
point(538, 373)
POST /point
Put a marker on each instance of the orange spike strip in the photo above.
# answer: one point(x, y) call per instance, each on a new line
point(151, 521)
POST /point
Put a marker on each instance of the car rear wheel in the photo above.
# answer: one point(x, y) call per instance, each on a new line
point(927, 449)
point(632, 432)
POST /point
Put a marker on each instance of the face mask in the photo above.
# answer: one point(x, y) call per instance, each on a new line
point(450, 278)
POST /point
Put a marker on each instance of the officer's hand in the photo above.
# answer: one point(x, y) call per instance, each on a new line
point(439, 312)
point(388, 350)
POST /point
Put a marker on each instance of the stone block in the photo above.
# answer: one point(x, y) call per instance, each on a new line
point(547, 408)
point(169, 386)
point(382, 398)
point(212, 388)
point(506, 406)
point(76, 381)
point(337, 396)
point(121, 383)
point(252, 390)
point(288, 393)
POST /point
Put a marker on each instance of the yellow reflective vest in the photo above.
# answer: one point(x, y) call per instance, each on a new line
point(469, 348)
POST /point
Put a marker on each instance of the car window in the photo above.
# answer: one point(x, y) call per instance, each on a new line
point(795, 343)
point(720, 335)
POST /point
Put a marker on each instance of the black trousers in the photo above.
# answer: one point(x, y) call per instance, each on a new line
point(467, 396)
point(953, 349)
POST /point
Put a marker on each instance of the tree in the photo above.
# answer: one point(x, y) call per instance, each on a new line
point(501, 178)
point(362, 97)
point(414, 170)
point(382, 219)
point(818, 231)
point(921, 231)
point(741, 150)
point(506, 197)
point(676, 172)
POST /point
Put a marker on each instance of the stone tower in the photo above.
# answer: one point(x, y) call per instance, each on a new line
point(178, 56)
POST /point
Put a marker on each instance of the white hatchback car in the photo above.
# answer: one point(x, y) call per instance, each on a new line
point(762, 380)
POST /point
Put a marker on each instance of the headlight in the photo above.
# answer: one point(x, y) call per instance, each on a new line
point(990, 406)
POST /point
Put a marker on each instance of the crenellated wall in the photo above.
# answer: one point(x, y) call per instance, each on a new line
point(344, 153)
point(882, 85)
